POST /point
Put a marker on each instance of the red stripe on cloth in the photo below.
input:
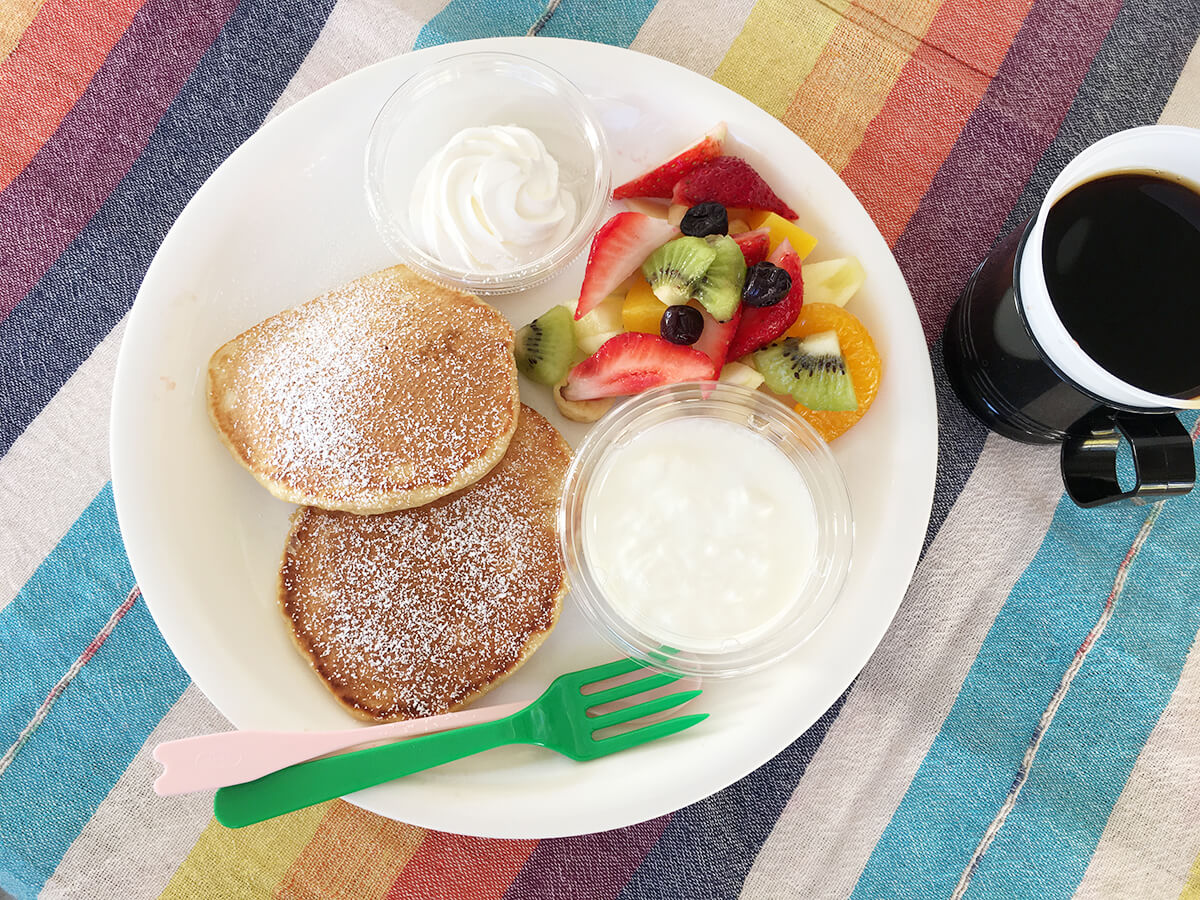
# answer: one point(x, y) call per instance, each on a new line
point(455, 867)
point(937, 90)
point(58, 55)
point(962, 213)
point(96, 143)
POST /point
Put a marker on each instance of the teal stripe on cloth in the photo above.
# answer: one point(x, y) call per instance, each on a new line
point(588, 20)
point(465, 20)
point(969, 769)
point(72, 761)
point(1087, 754)
point(614, 23)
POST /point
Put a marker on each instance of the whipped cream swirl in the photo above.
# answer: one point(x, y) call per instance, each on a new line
point(490, 200)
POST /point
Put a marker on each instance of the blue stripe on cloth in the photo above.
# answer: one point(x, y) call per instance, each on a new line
point(103, 716)
point(730, 826)
point(587, 20)
point(960, 441)
point(92, 284)
point(969, 769)
point(1114, 702)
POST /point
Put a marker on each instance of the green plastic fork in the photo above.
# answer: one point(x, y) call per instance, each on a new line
point(557, 720)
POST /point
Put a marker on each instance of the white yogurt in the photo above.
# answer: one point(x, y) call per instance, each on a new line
point(701, 533)
point(490, 200)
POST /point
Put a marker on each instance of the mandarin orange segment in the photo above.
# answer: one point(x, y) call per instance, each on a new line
point(862, 361)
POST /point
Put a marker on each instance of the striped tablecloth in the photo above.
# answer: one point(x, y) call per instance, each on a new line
point(1030, 726)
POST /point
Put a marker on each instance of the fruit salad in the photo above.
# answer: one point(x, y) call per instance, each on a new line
point(710, 285)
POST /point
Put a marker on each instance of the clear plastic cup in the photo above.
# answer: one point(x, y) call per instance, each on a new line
point(480, 89)
point(802, 447)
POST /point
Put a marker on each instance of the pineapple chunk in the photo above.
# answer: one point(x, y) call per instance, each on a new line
point(599, 325)
point(832, 280)
point(742, 374)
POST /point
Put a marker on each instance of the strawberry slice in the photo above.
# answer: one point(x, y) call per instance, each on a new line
point(762, 324)
point(660, 181)
point(755, 245)
point(730, 181)
point(618, 250)
point(716, 337)
point(632, 362)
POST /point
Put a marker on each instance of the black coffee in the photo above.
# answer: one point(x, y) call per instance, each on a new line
point(1122, 261)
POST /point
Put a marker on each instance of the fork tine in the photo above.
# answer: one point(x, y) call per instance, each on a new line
point(621, 691)
point(629, 713)
point(649, 733)
point(603, 671)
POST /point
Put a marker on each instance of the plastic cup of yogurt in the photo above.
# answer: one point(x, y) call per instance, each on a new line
point(487, 172)
point(706, 529)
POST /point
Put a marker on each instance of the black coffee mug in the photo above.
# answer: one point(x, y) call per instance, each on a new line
point(1044, 347)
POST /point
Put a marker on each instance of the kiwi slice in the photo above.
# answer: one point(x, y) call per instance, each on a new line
point(545, 347)
point(811, 370)
point(720, 289)
point(674, 269)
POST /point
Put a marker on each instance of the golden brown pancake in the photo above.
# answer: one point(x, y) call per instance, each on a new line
point(420, 611)
point(383, 394)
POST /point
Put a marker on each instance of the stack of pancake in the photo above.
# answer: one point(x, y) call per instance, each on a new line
point(422, 566)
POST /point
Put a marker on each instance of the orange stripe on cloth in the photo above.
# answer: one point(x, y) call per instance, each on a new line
point(906, 144)
point(236, 863)
point(777, 48)
point(15, 16)
point(49, 70)
point(854, 74)
point(455, 867)
point(354, 855)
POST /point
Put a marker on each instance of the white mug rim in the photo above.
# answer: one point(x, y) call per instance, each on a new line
point(1037, 310)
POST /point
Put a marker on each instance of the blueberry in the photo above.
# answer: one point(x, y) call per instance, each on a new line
point(704, 219)
point(766, 284)
point(681, 325)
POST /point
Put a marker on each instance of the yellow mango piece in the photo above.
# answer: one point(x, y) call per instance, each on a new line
point(642, 311)
point(781, 229)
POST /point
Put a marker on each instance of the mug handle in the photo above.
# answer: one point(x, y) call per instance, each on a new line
point(1163, 459)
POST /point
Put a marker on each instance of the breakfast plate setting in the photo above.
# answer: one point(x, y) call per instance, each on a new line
point(484, 365)
point(537, 451)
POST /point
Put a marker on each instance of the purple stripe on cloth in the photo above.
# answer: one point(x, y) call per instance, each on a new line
point(964, 209)
point(98, 141)
point(587, 867)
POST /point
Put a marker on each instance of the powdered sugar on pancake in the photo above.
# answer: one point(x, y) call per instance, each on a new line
point(414, 612)
point(372, 390)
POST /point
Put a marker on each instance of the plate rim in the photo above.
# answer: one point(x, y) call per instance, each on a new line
point(924, 476)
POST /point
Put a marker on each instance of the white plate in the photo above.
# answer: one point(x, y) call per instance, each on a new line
point(284, 219)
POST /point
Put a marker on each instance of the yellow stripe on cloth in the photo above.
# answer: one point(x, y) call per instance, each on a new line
point(777, 48)
point(236, 863)
point(854, 74)
point(15, 16)
point(354, 855)
point(695, 34)
point(1191, 890)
